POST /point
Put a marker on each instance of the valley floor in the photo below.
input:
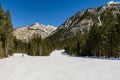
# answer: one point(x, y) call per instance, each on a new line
point(58, 66)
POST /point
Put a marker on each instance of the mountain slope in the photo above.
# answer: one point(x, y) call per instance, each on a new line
point(26, 32)
point(83, 20)
point(58, 67)
point(91, 32)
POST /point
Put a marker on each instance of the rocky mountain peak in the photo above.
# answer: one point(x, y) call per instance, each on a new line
point(26, 32)
point(113, 2)
point(84, 19)
point(36, 23)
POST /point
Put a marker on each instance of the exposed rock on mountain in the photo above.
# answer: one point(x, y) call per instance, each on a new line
point(83, 20)
point(27, 32)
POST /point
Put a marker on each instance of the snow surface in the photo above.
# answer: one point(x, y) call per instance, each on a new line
point(113, 2)
point(100, 23)
point(58, 66)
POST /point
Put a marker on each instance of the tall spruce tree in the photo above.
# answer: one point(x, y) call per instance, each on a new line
point(6, 37)
point(8, 34)
point(2, 24)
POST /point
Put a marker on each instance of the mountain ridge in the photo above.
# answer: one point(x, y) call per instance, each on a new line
point(25, 32)
point(84, 19)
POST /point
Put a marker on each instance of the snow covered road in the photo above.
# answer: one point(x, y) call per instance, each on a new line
point(58, 66)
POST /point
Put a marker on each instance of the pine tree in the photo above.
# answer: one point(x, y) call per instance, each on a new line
point(6, 33)
point(109, 24)
point(93, 41)
point(2, 23)
point(2, 20)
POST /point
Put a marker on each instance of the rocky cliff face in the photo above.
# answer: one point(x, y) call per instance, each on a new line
point(83, 20)
point(87, 17)
point(26, 32)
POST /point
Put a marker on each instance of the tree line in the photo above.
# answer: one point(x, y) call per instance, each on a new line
point(9, 44)
point(99, 41)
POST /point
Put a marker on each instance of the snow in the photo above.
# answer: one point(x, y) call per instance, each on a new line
point(49, 26)
point(40, 26)
point(58, 53)
point(113, 2)
point(37, 24)
point(58, 66)
point(100, 23)
point(67, 22)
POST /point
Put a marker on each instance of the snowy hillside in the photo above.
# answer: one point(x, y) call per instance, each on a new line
point(58, 66)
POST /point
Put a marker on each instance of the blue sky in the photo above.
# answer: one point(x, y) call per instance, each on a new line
point(52, 12)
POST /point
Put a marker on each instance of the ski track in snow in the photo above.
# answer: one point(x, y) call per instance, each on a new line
point(58, 66)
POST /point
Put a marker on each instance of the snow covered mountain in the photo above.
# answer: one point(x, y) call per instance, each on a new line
point(113, 2)
point(83, 20)
point(26, 32)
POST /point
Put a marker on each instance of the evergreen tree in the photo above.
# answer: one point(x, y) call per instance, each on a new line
point(93, 41)
point(6, 37)
point(8, 33)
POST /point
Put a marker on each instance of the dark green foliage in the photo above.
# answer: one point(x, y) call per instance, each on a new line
point(6, 37)
point(100, 41)
point(9, 44)
point(20, 46)
point(35, 46)
point(39, 47)
point(93, 41)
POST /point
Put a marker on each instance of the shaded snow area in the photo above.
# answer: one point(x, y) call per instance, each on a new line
point(58, 66)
